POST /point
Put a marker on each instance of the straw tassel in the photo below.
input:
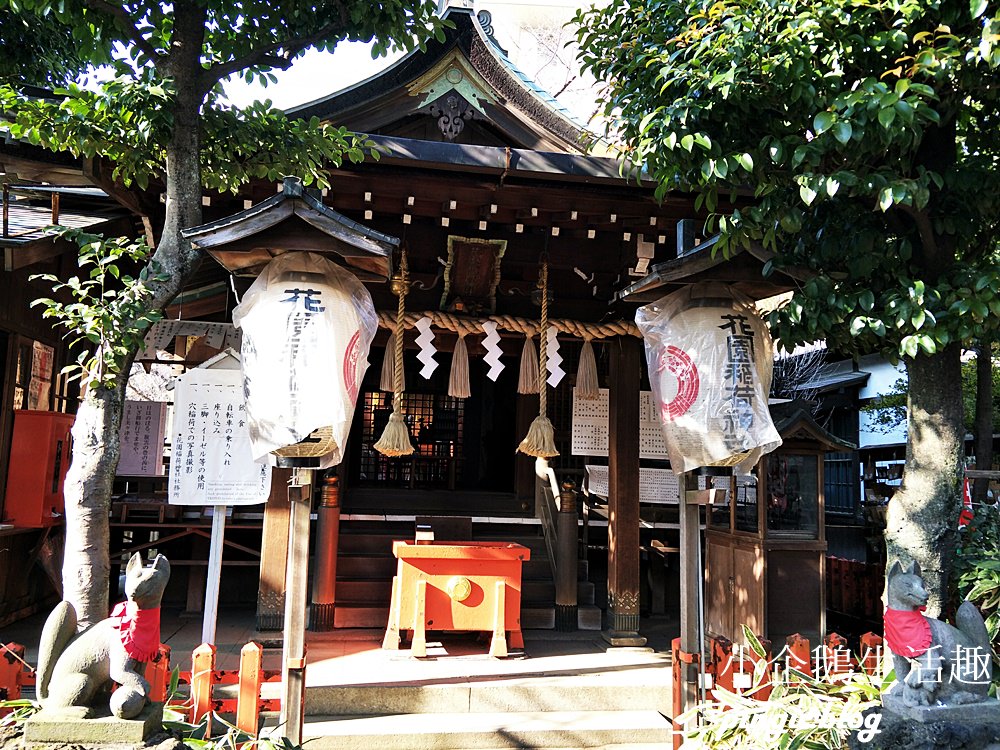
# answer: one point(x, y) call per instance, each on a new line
point(527, 381)
point(395, 440)
point(388, 380)
point(540, 441)
point(587, 386)
point(458, 379)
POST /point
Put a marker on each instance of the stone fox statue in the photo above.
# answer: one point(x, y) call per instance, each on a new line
point(934, 661)
point(76, 669)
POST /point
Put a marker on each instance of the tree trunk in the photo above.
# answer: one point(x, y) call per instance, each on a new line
point(983, 427)
point(87, 491)
point(924, 511)
point(96, 440)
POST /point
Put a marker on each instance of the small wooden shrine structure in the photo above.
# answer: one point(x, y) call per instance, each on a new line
point(766, 546)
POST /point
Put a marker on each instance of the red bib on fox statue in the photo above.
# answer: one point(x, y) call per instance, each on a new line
point(907, 632)
point(139, 630)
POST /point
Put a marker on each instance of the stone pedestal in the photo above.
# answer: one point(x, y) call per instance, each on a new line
point(68, 726)
point(974, 726)
point(986, 712)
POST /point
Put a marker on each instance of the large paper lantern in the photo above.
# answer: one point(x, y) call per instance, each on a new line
point(307, 327)
point(710, 362)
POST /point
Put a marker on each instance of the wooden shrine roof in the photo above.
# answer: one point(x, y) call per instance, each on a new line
point(463, 89)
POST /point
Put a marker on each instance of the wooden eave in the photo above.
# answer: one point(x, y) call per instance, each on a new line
point(293, 220)
point(742, 270)
point(798, 429)
point(506, 101)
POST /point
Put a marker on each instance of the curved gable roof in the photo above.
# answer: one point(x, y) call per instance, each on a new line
point(465, 84)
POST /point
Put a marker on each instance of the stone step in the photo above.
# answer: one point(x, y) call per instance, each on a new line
point(371, 615)
point(448, 731)
point(589, 617)
point(513, 695)
point(361, 615)
point(366, 615)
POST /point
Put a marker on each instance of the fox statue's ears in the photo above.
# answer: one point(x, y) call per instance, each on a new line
point(896, 569)
point(161, 564)
point(134, 564)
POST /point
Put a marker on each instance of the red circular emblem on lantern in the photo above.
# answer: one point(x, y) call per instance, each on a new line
point(684, 369)
point(351, 365)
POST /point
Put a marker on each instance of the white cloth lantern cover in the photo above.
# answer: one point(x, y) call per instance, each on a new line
point(307, 327)
point(710, 362)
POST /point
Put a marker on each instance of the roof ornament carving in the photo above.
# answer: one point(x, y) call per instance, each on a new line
point(485, 19)
point(451, 116)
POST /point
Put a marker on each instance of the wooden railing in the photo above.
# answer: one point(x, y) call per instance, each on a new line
point(547, 508)
point(556, 508)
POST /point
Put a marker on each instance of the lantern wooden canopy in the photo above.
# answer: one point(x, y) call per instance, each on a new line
point(294, 220)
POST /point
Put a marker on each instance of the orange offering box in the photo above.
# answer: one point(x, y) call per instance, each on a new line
point(457, 586)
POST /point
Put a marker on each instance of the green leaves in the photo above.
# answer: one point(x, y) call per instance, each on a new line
point(106, 314)
point(822, 122)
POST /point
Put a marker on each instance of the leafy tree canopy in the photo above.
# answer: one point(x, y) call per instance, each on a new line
point(38, 51)
point(858, 138)
point(131, 118)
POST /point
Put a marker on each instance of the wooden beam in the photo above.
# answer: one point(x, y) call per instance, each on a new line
point(273, 554)
point(623, 493)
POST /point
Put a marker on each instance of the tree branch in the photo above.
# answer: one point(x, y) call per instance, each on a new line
point(128, 27)
point(924, 228)
point(269, 54)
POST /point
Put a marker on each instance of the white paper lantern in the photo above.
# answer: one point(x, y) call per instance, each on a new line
point(307, 327)
point(710, 362)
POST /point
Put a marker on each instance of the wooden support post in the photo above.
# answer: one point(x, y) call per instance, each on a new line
point(324, 591)
point(391, 640)
point(623, 495)
point(274, 554)
point(567, 564)
point(202, 674)
point(419, 645)
point(158, 675)
point(498, 644)
point(293, 666)
point(247, 702)
point(691, 581)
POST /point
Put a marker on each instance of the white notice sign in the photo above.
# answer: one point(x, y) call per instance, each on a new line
point(590, 427)
point(211, 462)
point(656, 486)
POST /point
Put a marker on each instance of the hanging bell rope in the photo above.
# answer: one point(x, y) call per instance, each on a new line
point(395, 440)
point(540, 441)
point(587, 386)
point(458, 378)
point(527, 380)
point(387, 381)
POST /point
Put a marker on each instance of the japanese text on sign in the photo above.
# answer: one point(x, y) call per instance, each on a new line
point(211, 462)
